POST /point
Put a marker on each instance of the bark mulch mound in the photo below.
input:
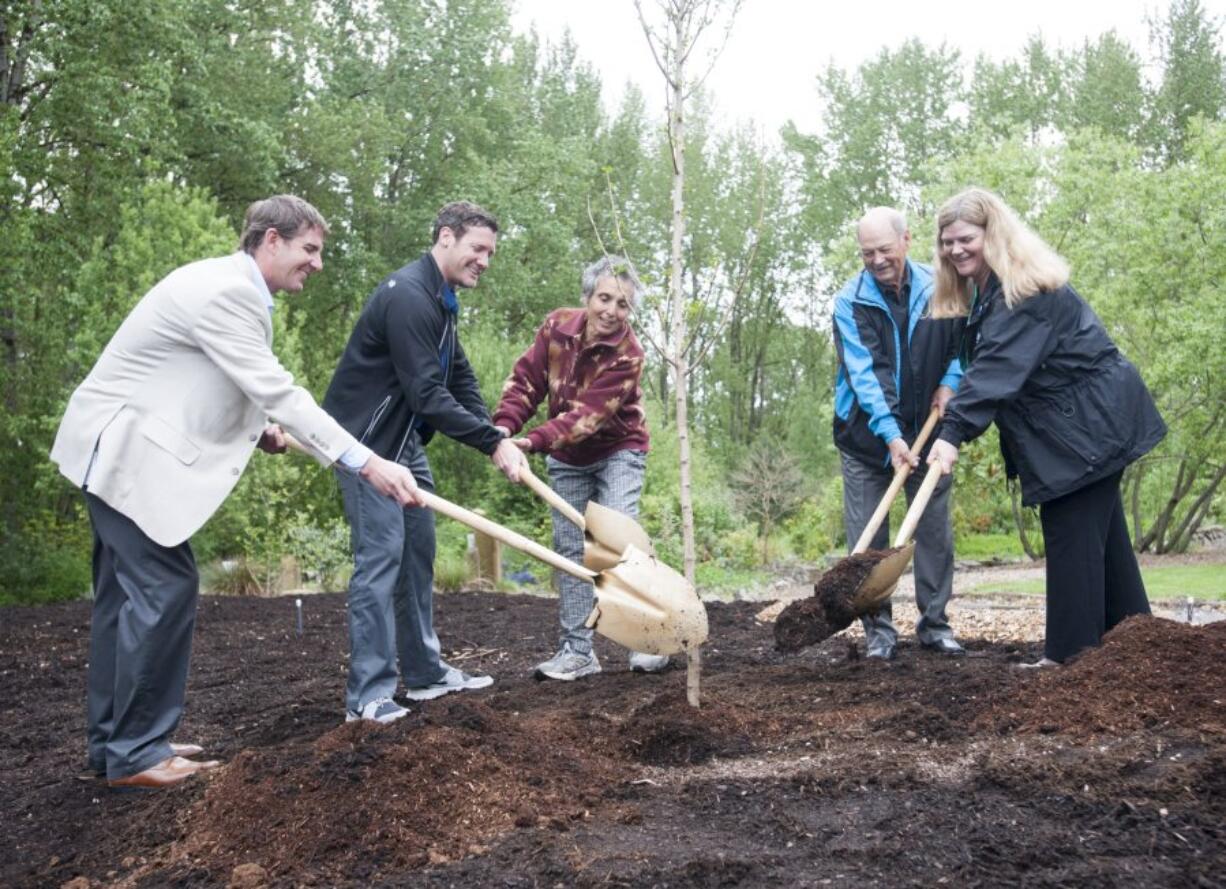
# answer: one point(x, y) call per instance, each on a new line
point(1149, 673)
point(808, 769)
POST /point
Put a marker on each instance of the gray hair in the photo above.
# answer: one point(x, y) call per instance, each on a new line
point(897, 221)
point(286, 213)
point(611, 267)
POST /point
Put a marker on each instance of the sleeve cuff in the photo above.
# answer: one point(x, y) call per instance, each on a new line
point(355, 458)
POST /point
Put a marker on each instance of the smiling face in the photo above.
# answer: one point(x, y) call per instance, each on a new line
point(286, 264)
point(609, 306)
point(961, 244)
point(883, 250)
point(463, 260)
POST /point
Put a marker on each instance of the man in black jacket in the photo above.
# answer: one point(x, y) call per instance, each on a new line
point(404, 376)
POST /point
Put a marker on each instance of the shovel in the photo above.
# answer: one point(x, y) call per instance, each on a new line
point(606, 532)
point(883, 509)
point(880, 583)
point(641, 603)
point(900, 478)
point(854, 586)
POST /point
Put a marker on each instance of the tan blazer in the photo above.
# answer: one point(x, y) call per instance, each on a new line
point(174, 406)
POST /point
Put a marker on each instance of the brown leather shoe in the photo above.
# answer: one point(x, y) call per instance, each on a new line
point(166, 773)
point(186, 749)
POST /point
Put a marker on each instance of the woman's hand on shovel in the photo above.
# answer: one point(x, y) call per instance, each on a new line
point(944, 453)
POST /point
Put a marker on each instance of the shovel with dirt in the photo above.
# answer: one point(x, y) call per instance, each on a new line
point(858, 584)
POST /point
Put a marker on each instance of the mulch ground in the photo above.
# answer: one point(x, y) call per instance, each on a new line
point(819, 768)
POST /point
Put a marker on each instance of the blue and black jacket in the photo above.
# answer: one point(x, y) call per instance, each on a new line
point(868, 413)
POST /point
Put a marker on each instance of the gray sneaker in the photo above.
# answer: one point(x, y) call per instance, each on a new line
point(453, 680)
point(568, 665)
point(641, 662)
point(382, 710)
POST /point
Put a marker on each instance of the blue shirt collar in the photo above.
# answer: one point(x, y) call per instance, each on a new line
point(450, 301)
point(258, 279)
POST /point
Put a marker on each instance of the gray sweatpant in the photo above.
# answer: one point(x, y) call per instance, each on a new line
point(615, 482)
point(863, 487)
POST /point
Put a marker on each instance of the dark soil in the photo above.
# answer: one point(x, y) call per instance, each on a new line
point(819, 769)
point(831, 608)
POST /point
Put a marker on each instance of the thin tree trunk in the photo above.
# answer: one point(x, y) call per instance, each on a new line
point(1015, 501)
point(1196, 514)
point(676, 126)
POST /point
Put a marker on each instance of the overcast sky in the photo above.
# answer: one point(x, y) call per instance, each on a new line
point(768, 69)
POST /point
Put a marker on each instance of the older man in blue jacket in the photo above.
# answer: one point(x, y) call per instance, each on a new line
point(895, 364)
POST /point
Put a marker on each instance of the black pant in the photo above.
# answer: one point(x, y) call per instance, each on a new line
point(1093, 581)
point(140, 643)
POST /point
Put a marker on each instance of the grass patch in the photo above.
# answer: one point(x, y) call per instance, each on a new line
point(1205, 582)
point(984, 547)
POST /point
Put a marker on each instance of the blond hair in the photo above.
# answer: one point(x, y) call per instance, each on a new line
point(1023, 261)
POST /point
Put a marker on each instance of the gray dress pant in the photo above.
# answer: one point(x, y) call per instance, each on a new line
point(863, 487)
point(391, 592)
point(140, 643)
point(615, 482)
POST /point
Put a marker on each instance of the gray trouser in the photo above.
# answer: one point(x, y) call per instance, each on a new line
point(863, 488)
point(615, 482)
point(391, 592)
point(140, 643)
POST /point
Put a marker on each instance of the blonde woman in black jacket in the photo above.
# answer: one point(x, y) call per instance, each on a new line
point(1071, 410)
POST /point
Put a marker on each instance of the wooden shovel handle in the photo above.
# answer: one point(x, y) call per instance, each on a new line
point(550, 496)
point(918, 504)
point(485, 526)
point(506, 535)
point(900, 478)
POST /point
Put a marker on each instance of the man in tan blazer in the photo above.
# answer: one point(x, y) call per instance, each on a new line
point(157, 436)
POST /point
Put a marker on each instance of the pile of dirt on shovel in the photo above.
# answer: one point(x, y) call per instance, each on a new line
point(1149, 673)
point(830, 608)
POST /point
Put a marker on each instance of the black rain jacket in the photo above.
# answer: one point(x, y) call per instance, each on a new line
point(390, 379)
point(1070, 408)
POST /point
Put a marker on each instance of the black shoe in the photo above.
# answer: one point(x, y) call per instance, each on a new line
point(945, 645)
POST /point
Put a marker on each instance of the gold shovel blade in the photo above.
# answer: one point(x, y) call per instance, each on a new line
point(646, 606)
point(880, 583)
point(607, 533)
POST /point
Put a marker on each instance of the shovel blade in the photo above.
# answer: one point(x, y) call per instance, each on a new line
point(607, 533)
point(880, 583)
point(646, 606)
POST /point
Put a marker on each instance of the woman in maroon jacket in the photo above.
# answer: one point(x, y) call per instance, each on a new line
point(589, 363)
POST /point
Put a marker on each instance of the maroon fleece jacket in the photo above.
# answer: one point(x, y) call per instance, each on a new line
point(595, 400)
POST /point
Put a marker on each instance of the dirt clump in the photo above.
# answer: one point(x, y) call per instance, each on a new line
point(667, 731)
point(831, 608)
point(1148, 673)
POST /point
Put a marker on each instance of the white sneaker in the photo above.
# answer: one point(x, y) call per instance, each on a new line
point(1040, 664)
point(568, 665)
point(453, 680)
point(382, 710)
point(649, 663)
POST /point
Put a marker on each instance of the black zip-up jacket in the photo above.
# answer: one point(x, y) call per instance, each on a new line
point(1070, 408)
point(390, 379)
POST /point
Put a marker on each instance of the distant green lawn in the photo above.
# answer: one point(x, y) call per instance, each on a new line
point(1164, 582)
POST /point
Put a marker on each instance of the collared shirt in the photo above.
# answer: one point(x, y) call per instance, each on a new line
point(355, 457)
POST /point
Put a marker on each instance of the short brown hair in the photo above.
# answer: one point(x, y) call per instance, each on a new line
point(286, 213)
point(460, 216)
